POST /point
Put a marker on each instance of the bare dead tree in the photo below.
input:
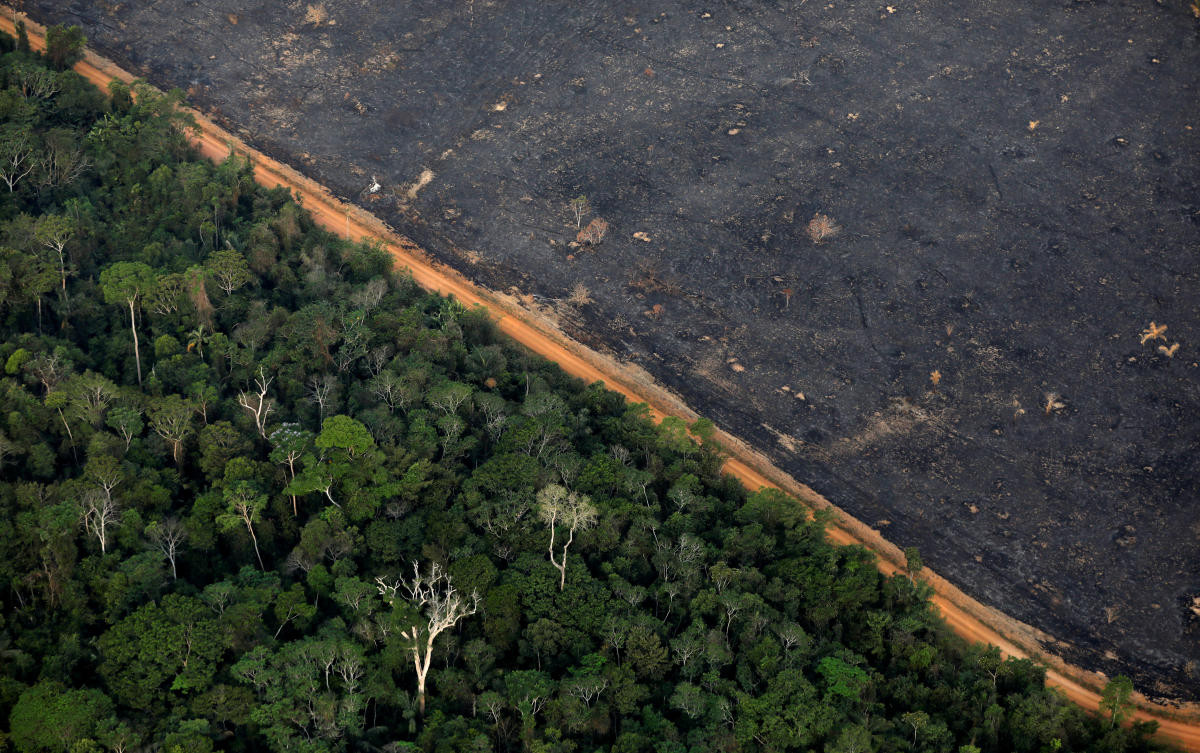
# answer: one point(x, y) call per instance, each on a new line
point(49, 369)
point(587, 688)
point(386, 387)
point(257, 403)
point(320, 388)
point(61, 163)
point(166, 537)
point(494, 411)
point(448, 397)
point(16, 157)
point(99, 512)
point(442, 607)
point(369, 296)
point(377, 358)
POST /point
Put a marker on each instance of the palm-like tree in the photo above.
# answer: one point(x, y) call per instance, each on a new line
point(197, 338)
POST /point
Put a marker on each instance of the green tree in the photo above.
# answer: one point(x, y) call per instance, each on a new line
point(161, 652)
point(243, 507)
point(126, 282)
point(171, 419)
point(853, 739)
point(126, 421)
point(311, 693)
point(53, 233)
point(218, 443)
point(347, 435)
point(913, 564)
point(1115, 700)
point(290, 443)
point(51, 717)
point(230, 269)
point(918, 720)
point(64, 46)
point(528, 692)
point(22, 37)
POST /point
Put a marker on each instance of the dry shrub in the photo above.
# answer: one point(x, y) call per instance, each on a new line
point(594, 233)
point(316, 14)
point(1053, 403)
point(822, 227)
point(580, 295)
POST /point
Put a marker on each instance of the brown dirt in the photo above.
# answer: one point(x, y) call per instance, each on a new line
point(967, 617)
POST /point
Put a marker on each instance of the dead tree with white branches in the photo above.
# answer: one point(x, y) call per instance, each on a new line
point(99, 513)
point(166, 537)
point(440, 605)
point(259, 405)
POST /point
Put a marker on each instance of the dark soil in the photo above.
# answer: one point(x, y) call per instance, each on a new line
point(1017, 192)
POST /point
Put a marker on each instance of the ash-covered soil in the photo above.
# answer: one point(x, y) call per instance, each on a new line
point(961, 365)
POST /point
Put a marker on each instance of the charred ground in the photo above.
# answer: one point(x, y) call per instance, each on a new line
point(1018, 201)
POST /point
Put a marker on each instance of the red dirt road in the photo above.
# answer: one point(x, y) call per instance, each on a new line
point(966, 616)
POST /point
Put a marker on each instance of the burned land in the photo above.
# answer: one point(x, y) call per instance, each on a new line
point(913, 252)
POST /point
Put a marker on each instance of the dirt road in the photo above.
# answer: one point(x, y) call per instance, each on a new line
point(967, 617)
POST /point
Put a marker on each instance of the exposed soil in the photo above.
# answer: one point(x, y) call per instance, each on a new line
point(1018, 202)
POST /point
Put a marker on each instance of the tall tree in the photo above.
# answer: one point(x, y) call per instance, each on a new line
point(53, 232)
point(64, 46)
point(289, 443)
point(1115, 700)
point(257, 403)
point(126, 282)
point(171, 419)
point(243, 506)
point(17, 151)
point(230, 270)
point(434, 606)
point(161, 651)
point(51, 717)
point(556, 506)
point(166, 536)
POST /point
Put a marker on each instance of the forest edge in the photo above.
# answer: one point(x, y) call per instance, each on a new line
point(967, 617)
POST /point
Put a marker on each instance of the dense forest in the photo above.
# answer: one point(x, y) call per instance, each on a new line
point(262, 493)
